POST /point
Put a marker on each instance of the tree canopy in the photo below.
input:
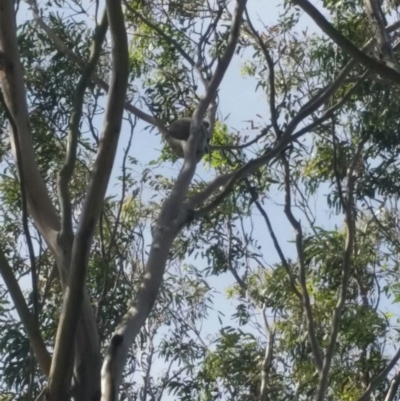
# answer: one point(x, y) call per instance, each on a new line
point(269, 270)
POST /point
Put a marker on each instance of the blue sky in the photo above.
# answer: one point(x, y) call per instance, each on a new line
point(238, 99)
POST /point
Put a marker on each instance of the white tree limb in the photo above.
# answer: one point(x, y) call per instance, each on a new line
point(63, 358)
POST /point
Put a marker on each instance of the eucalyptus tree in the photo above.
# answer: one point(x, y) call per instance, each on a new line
point(331, 123)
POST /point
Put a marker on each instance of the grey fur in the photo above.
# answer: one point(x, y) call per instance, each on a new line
point(178, 134)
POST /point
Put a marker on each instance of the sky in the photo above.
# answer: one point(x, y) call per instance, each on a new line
point(239, 100)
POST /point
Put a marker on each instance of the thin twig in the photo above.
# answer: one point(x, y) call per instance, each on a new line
point(278, 248)
point(302, 269)
point(25, 225)
point(28, 321)
point(346, 45)
point(271, 68)
point(347, 259)
point(67, 170)
point(378, 379)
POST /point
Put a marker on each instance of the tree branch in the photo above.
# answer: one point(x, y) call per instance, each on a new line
point(378, 379)
point(394, 386)
point(224, 61)
point(278, 248)
point(25, 225)
point(271, 67)
point(263, 133)
point(173, 216)
point(67, 52)
point(229, 180)
point(67, 170)
point(302, 270)
point(28, 320)
point(378, 23)
point(266, 367)
point(347, 258)
point(328, 113)
point(40, 206)
point(346, 45)
point(166, 37)
point(12, 82)
point(63, 357)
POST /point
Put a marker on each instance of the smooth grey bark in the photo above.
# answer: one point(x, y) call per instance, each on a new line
point(61, 367)
point(39, 204)
point(173, 216)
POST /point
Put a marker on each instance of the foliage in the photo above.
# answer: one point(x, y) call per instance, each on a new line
point(253, 286)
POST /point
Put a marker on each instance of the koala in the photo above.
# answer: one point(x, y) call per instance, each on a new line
point(178, 135)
